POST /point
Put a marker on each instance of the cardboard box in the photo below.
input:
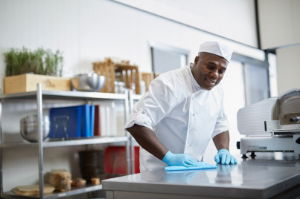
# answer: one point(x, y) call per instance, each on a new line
point(28, 82)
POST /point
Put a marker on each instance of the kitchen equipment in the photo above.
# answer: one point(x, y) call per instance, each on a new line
point(29, 127)
point(88, 82)
point(271, 125)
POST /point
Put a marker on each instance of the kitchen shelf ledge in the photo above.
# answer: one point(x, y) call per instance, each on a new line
point(63, 143)
point(66, 94)
point(137, 97)
point(87, 189)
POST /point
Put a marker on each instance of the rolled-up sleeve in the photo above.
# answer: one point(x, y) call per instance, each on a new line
point(222, 121)
point(221, 124)
point(154, 105)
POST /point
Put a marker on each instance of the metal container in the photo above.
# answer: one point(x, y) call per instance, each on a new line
point(88, 82)
point(29, 127)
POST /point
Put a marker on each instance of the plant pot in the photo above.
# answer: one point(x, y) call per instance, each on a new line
point(28, 82)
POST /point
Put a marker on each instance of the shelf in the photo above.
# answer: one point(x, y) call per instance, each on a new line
point(66, 94)
point(63, 143)
point(46, 96)
point(137, 97)
point(102, 140)
point(87, 189)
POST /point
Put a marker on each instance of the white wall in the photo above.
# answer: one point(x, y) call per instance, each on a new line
point(280, 30)
point(233, 19)
point(279, 22)
point(288, 68)
point(88, 31)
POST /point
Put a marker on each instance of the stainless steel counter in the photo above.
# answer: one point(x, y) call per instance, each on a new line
point(263, 177)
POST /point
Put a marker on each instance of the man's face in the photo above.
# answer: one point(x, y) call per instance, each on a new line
point(209, 69)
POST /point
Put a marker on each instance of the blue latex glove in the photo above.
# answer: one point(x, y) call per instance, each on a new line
point(224, 157)
point(172, 159)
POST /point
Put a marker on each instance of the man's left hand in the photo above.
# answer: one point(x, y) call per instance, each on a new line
point(224, 157)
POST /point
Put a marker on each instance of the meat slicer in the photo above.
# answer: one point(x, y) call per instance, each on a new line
point(271, 125)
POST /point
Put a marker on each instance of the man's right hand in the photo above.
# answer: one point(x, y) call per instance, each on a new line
point(172, 159)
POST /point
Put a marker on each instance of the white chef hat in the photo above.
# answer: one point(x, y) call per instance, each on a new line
point(216, 48)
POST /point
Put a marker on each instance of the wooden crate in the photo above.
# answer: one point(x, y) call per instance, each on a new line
point(107, 69)
point(28, 82)
point(147, 78)
point(130, 75)
point(121, 71)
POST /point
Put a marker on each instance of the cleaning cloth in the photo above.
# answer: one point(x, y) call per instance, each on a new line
point(198, 166)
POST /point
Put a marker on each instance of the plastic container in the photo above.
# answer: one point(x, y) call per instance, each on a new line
point(72, 122)
point(115, 160)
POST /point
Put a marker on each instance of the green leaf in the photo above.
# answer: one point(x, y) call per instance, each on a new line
point(39, 61)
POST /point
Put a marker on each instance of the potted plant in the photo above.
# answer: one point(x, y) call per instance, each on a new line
point(25, 68)
point(39, 61)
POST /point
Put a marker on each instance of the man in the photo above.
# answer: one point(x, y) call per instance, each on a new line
point(182, 111)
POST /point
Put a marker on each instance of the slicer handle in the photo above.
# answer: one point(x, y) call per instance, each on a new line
point(238, 145)
point(295, 119)
point(298, 140)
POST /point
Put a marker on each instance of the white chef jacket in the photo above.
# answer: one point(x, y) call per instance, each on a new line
point(183, 116)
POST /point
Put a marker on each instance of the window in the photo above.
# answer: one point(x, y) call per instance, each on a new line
point(256, 78)
point(166, 58)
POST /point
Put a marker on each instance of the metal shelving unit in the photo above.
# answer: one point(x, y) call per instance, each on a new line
point(136, 97)
point(130, 152)
point(67, 94)
point(65, 143)
point(73, 192)
point(39, 95)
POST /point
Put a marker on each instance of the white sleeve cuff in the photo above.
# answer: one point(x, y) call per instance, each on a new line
point(141, 119)
point(219, 131)
point(221, 126)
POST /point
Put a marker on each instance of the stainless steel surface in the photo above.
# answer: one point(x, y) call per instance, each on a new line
point(130, 143)
point(136, 97)
point(88, 82)
point(265, 144)
point(29, 127)
point(68, 94)
point(288, 108)
point(1, 152)
point(127, 112)
point(263, 177)
point(73, 192)
point(100, 140)
point(250, 119)
point(40, 139)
